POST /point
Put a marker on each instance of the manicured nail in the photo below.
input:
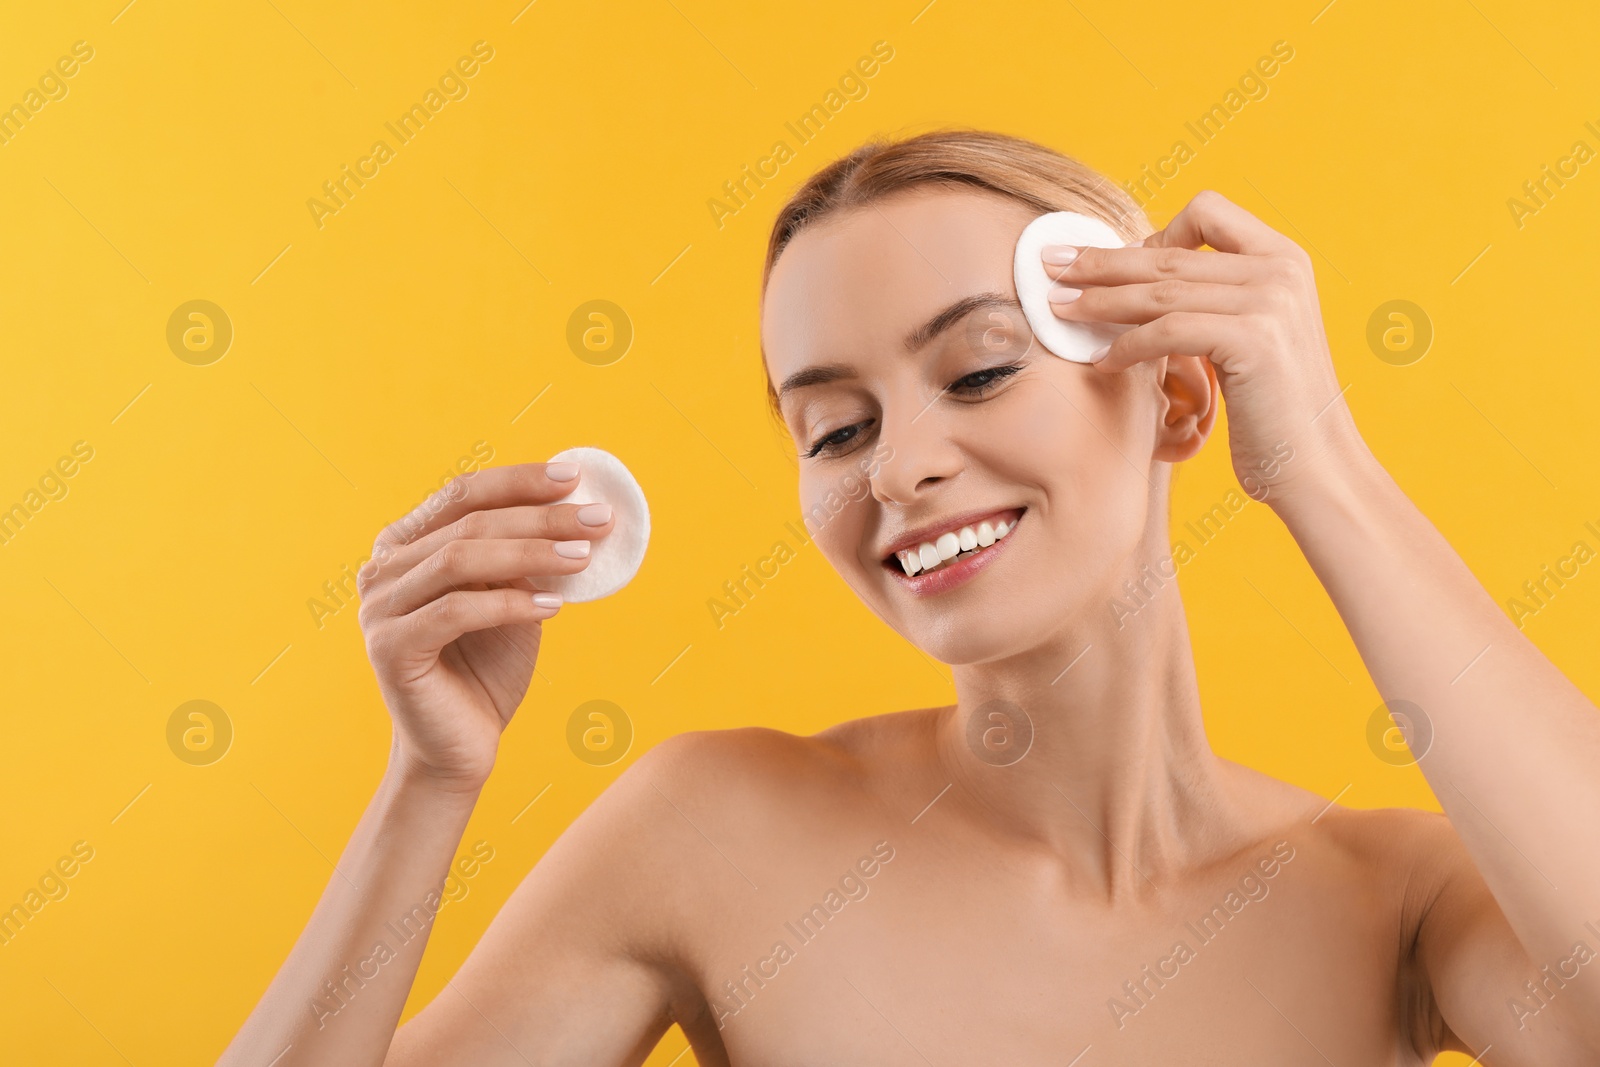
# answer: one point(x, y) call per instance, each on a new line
point(1064, 294)
point(1060, 255)
point(594, 514)
point(564, 471)
point(572, 549)
point(1099, 354)
point(547, 600)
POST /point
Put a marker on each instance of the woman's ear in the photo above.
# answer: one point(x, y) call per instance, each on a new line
point(1189, 386)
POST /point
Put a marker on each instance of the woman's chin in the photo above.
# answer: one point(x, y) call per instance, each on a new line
point(1013, 626)
point(965, 642)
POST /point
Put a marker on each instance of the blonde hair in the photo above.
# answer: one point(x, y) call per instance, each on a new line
point(1029, 173)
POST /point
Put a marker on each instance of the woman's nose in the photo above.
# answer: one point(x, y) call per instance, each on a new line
point(921, 454)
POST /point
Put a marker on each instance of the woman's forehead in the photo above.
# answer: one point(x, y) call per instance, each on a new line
point(860, 280)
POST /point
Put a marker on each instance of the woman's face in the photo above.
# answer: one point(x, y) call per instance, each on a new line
point(918, 380)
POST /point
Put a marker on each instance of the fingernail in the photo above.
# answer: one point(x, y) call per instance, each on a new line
point(572, 549)
point(594, 515)
point(547, 600)
point(1098, 354)
point(1060, 255)
point(564, 471)
point(1064, 294)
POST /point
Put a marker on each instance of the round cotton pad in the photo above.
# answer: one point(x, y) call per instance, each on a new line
point(615, 558)
point(1075, 341)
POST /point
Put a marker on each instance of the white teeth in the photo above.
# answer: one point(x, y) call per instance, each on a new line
point(952, 545)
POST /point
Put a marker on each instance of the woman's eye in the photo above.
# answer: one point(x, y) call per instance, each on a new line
point(974, 384)
point(977, 382)
point(831, 443)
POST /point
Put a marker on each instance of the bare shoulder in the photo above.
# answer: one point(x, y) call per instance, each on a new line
point(761, 766)
point(1421, 846)
point(1404, 858)
point(1412, 867)
point(705, 816)
point(1420, 863)
point(1396, 839)
point(677, 838)
point(747, 782)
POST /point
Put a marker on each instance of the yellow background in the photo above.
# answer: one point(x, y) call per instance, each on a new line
point(371, 354)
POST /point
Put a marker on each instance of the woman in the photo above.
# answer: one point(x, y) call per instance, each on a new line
point(1056, 869)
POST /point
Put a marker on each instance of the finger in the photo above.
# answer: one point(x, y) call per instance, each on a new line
point(441, 621)
point(553, 522)
point(491, 487)
point(1121, 266)
point(1212, 219)
point(463, 563)
point(1143, 302)
point(1181, 333)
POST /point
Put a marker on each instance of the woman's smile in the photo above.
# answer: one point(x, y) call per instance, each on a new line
point(931, 562)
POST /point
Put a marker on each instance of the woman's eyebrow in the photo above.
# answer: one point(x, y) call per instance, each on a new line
point(823, 373)
point(820, 374)
point(955, 313)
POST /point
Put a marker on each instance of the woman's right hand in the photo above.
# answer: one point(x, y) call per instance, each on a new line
point(452, 609)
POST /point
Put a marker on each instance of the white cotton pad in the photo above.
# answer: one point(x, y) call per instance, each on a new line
point(615, 558)
point(1069, 340)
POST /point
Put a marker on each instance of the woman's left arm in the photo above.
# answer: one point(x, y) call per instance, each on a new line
point(1513, 759)
point(1515, 752)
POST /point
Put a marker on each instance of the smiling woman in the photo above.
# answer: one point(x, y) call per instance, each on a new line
point(900, 241)
point(1065, 821)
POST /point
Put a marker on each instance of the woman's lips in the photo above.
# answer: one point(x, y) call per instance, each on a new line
point(957, 572)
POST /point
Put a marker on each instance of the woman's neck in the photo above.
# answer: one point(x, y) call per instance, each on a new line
point(1092, 745)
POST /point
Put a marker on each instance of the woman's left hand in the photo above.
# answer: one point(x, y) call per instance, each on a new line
point(1251, 308)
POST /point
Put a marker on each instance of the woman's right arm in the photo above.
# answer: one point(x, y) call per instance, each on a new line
point(452, 627)
point(335, 1000)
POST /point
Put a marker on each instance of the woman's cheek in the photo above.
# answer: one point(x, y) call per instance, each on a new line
point(831, 514)
point(1046, 429)
point(1082, 453)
